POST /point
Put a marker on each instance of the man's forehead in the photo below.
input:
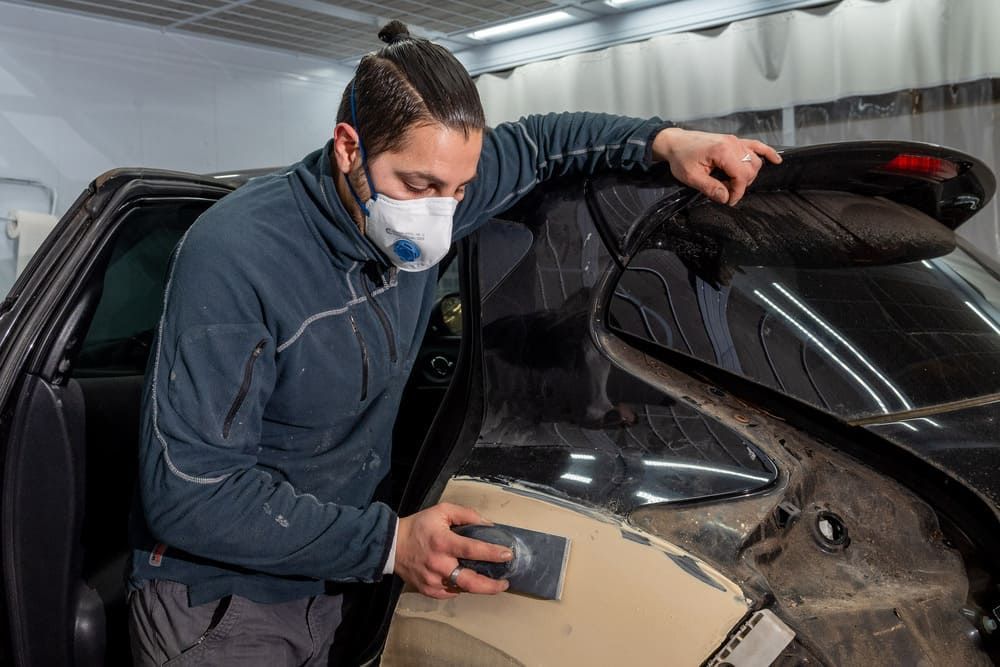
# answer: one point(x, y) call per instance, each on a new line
point(436, 153)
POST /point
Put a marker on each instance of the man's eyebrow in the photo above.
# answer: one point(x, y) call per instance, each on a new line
point(430, 178)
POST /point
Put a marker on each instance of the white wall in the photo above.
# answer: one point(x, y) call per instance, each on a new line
point(79, 96)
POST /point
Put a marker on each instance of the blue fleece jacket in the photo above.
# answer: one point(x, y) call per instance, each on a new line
point(276, 373)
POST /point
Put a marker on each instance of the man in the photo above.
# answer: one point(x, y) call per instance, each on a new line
point(292, 316)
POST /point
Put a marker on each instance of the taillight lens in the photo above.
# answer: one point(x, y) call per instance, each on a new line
point(922, 165)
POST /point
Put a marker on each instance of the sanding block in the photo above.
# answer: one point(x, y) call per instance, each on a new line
point(539, 564)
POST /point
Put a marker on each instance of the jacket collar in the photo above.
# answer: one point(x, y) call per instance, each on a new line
point(326, 215)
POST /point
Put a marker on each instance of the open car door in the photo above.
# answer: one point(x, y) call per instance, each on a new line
point(75, 336)
point(75, 333)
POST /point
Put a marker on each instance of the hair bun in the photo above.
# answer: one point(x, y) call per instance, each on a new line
point(394, 31)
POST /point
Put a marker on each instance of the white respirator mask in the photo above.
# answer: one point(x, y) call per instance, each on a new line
point(415, 234)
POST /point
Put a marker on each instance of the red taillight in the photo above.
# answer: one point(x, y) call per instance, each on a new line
point(923, 165)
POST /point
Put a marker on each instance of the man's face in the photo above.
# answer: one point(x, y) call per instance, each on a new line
point(434, 161)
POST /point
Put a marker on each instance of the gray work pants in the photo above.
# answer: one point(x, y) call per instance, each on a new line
point(233, 631)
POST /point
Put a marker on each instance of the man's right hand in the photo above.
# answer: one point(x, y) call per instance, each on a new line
point(427, 551)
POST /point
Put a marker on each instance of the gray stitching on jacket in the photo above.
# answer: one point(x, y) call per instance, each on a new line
point(350, 285)
point(512, 195)
point(156, 374)
point(527, 137)
point(552, 158)
point(579, 151)
point(337, 311)
point(318, 316)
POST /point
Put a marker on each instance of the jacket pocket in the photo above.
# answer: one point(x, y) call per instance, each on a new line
point(244, 387)
point(364, 358)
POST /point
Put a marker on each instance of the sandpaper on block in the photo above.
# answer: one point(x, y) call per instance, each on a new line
point(539, 564)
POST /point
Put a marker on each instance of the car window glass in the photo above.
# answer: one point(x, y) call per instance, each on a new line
point(506, 244)
point(559, 415)
point(122, 329)
point(447, 281)
point(855, 339)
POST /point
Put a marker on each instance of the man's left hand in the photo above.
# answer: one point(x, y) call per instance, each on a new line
point(694, 155)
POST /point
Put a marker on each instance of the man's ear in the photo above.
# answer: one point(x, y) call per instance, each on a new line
point(345, 146)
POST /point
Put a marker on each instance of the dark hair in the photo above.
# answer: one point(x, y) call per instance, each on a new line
point(409, 81)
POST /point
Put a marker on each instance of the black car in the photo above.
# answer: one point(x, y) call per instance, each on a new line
point(771, 432)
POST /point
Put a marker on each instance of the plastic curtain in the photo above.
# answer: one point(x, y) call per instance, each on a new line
point(921, 70)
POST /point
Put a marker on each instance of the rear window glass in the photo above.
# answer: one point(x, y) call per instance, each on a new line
point(860, 319)
point(560, 416)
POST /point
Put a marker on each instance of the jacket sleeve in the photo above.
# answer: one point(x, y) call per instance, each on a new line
point(211, 374)
point(518, 156)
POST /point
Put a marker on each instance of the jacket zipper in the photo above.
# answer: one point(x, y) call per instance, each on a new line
point(383, 318)
point(244, 388)
point(364, 359)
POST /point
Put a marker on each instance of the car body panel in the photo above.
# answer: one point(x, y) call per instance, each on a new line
point(573, 409)
point(964, 441)
point(895, 589)
point(628, 596)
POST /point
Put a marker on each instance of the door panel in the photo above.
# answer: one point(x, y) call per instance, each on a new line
point(43, 519)
point(628, 598)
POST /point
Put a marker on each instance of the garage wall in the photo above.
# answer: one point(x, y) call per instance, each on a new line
point(922, 70)
point(79, 96)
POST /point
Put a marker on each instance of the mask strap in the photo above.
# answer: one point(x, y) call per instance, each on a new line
point(364, 154)
point(364, 209)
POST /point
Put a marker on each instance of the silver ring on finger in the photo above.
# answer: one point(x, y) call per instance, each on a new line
point(453, 577)
point(748, 157)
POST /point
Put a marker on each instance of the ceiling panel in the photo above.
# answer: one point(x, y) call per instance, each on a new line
point(447, 16)
point(129, 11)
point(342, 30)
point(291, 26)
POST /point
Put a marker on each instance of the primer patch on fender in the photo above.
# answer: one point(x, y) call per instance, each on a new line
point(622, 603)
